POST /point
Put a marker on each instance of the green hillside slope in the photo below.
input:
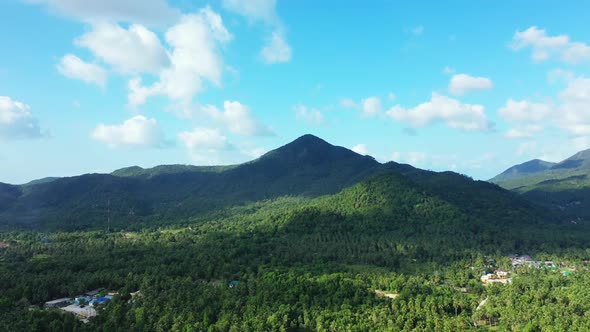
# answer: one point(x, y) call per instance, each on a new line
point(564, 186)
point(307, 167)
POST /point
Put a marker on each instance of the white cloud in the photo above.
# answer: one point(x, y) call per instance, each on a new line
point(525, 111)
point(415, 158)
point(255, 152)
point(204, 139)
point(442, 108)
point(545, 46)
point(463, 83)
point(151, 12)
point(238, 119)
point(348, 103)
point(371, 107)
point(391, 96)
point(524, 131)
point(208, 146)
point(73, 67)
point(449, 70)
point(277, 50)
point(311, 116)
point(571, 112)
point(361, 149)
point(195, 58)
point(17, 121)
point(574, 110)
point(254, 10)
point(480, 162)
point(526, 149)
point(558, 74)
point(137, 131)
point(581, 143)
point(132, 50)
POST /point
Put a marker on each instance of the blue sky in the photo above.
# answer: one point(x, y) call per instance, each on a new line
point(443, 86)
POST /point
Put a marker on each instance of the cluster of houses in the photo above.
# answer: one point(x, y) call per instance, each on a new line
point(520, 261)
point(84, 305)
point(524, 260)
point(499, 276)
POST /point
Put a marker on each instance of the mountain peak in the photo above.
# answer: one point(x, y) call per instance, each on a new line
point(309, 139)
point(582, 155)
point(310, 149)
point(580, 160)
point(526, 168)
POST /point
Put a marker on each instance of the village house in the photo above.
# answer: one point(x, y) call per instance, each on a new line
point(499, 276)
point(59, 303)
point(524, 260)
point(83, 306)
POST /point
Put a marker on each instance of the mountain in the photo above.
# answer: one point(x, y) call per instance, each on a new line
point(8, 195)
point(564, 186)
point(524, 169)
point(308, 167)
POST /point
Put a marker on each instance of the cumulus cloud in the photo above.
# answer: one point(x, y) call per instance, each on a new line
point(461, 84)
point(371, 107)
point(526, 131)
point(73, 67)
point(276, 49)
point(17, 121)
point(254, 10)
point(132, 50)
point(544, 46)
point(311, 116)
point(238, 119)
point(361, 149)
point(151, 12)
point(525, 111)
point(574, 108)
point(558, 74)
point(195, 58)
point(455, 114)
point(416, 158)
point(204, 139)
point(348, 103)
point(209, 146)
point(570, 112)
point(137, 131)
point(581, 143)
point(526, 149)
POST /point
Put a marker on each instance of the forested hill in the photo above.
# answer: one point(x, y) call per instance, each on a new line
point(307, 167)
point(527, 168)
point(563, 187)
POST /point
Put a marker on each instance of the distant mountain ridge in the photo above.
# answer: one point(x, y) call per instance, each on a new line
point(526, 168)
point(563, 186)
point(308, 167)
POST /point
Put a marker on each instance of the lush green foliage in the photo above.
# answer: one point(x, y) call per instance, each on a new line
point(309, 230)
point(302, 265)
